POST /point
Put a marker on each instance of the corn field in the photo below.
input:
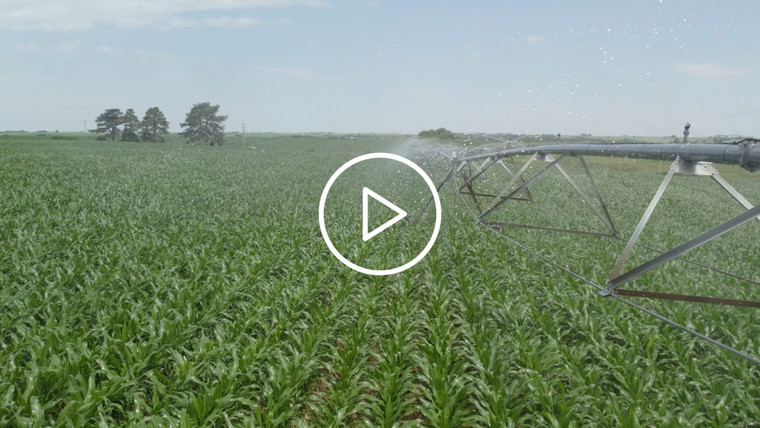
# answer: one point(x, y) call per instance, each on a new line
point(170, 285)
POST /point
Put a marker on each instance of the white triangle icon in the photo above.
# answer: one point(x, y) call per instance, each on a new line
point(400, 214)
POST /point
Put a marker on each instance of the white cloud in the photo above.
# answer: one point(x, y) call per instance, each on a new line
point(109, 50)
point(179, 22)
point(532, 39)
point(66, 15)
point(227, 22)
point(220, 22)
point(708, 70)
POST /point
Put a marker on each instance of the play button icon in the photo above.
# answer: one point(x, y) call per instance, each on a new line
point(380, 177)
point(366, 194)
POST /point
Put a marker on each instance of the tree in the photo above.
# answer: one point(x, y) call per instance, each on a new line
point(109, 122)
point(440, 133)
point(131, 126)
point(203, 125)
point(154, 126)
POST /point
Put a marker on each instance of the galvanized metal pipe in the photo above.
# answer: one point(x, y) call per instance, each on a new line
point(746, 155)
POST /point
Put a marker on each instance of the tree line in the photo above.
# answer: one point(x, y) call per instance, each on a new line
point(440, 133)
point(203, 125)
point(151, 128)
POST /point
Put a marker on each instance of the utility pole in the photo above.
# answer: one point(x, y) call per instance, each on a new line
point(243, 128)
point(85, 126)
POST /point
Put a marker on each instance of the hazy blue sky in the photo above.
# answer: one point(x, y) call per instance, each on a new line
point(602, 67)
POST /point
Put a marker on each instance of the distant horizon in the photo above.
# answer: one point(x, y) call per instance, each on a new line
point(535, 134)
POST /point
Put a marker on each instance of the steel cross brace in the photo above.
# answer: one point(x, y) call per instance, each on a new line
point(474, 194)
point(456, 166)
point(615, 280)
point(642, 223)
point(483, 167)
point(506, 194)
point(681, 249)
point(503, 196)
point(606, 219)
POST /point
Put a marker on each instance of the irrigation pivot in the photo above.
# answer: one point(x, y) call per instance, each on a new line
point(489, 187)
point(745, 153)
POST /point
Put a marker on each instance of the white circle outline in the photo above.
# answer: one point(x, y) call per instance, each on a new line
point(418, 170)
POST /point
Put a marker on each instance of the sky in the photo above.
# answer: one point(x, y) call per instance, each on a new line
point(639, 68)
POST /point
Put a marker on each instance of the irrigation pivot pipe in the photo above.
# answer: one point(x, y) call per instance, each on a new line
point(745, 153)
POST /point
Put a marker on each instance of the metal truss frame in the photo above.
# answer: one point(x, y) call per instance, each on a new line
point(687, 160)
